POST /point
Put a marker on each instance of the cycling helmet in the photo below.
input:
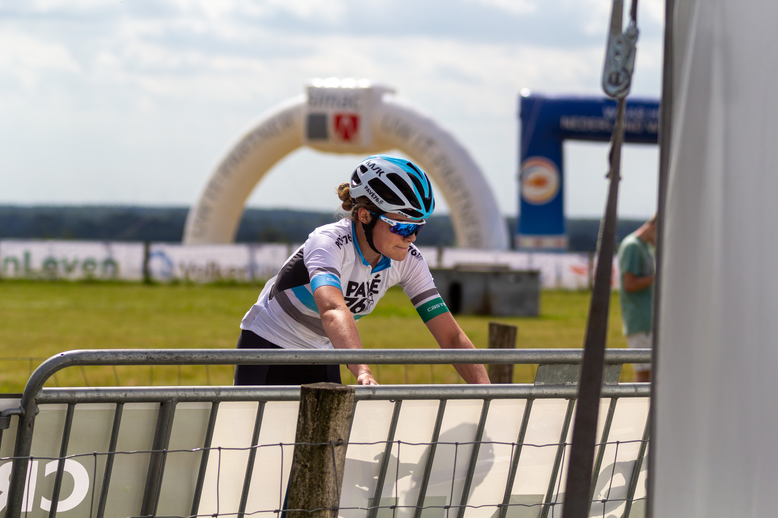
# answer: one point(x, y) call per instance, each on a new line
point(394, 185)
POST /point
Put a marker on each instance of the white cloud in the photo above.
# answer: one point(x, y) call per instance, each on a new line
point(654, 10)
point(510, 6)
point(331, 10)
point(27, 55)
point(68, 6)
point(160, 88)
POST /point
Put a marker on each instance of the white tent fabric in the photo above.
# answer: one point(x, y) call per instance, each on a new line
point(717, 414)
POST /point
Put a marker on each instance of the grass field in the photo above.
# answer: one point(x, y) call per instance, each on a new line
point(40, 319)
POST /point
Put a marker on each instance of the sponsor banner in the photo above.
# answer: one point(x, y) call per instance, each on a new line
point(568, 271)
point(72, 260)
point(453, 257)
point(538, 242)
point(546, 122)
point(267, 260)
point(215, 263)
point(561, 271)
point(233, 442)
point(339, 113)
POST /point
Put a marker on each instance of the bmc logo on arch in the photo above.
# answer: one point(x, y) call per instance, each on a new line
point(346, 126)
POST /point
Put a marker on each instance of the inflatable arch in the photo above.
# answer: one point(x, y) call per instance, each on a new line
point(348, 117)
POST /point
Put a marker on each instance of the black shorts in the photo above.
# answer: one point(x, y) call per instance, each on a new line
point(279, 374)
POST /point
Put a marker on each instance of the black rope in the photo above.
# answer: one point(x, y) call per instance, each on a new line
point(585, 430)
point(579, 475)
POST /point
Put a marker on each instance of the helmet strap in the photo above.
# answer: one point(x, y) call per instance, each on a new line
point(368, 228)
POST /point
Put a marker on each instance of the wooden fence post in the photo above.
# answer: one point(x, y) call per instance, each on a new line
point(501, 336)
point(323, 425)
point(146, 258)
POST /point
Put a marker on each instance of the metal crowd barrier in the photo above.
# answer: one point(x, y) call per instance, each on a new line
point(425, 451)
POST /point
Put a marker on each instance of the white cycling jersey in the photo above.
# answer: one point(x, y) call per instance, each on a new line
point(286, 313)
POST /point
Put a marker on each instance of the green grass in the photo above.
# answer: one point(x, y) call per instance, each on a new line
point(40, 319)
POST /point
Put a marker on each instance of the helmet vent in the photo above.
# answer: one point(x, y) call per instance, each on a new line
point(406, 189)
point(355, 179)
point(385, 192)
point(414, 213)
point(362, 168)
point(426, 200)
point(413, 167)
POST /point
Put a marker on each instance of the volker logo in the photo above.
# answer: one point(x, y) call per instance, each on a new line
point(346, 126)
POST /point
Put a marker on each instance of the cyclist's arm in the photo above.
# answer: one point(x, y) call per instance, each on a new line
point(341, 328)
point(449, 335)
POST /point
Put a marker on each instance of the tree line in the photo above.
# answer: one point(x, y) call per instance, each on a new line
point(166, 224)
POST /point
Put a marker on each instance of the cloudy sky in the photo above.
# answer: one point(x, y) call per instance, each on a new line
point(133, 102)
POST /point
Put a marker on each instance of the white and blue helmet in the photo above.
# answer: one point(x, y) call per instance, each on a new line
point(394, 185)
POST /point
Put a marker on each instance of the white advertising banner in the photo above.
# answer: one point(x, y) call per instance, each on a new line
point(214, 263)
point(72, 260)
point(453, 257)
point(537, 475)
point(561, 271)
point(266, 260)
point(571, 271)
point(339, 114)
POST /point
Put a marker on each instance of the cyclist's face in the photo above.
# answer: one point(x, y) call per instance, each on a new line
point(392, 245)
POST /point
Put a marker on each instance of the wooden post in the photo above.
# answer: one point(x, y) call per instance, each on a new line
point(323, 425)
point(501, 336)
point(146, 258)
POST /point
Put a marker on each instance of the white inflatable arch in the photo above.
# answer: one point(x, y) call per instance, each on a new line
point(348, 117)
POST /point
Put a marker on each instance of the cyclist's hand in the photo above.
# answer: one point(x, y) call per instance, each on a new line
point(366, 378)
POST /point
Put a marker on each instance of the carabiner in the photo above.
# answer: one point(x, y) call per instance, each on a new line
point(619, 55)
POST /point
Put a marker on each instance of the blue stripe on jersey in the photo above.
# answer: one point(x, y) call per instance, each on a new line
point(306, 297)
point(325, 279)
point(382, 265)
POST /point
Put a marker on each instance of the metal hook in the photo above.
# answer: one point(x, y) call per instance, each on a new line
point(619, 55)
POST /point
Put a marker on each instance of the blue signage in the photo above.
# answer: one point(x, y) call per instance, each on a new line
point(546, 122)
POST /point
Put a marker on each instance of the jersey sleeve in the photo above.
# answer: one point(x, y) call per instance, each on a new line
point(323, 257)
point(418, 284)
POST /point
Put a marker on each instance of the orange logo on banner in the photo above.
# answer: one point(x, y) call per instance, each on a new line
point(347, 126)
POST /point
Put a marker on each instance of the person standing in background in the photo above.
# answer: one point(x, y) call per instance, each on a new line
point(636, 290)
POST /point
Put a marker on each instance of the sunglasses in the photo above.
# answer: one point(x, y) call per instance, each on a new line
point(402, 228)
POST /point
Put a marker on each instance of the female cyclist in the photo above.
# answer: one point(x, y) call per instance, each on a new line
point(338, 275)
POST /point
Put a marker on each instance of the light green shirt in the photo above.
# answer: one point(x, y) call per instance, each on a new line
point(636, 257)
